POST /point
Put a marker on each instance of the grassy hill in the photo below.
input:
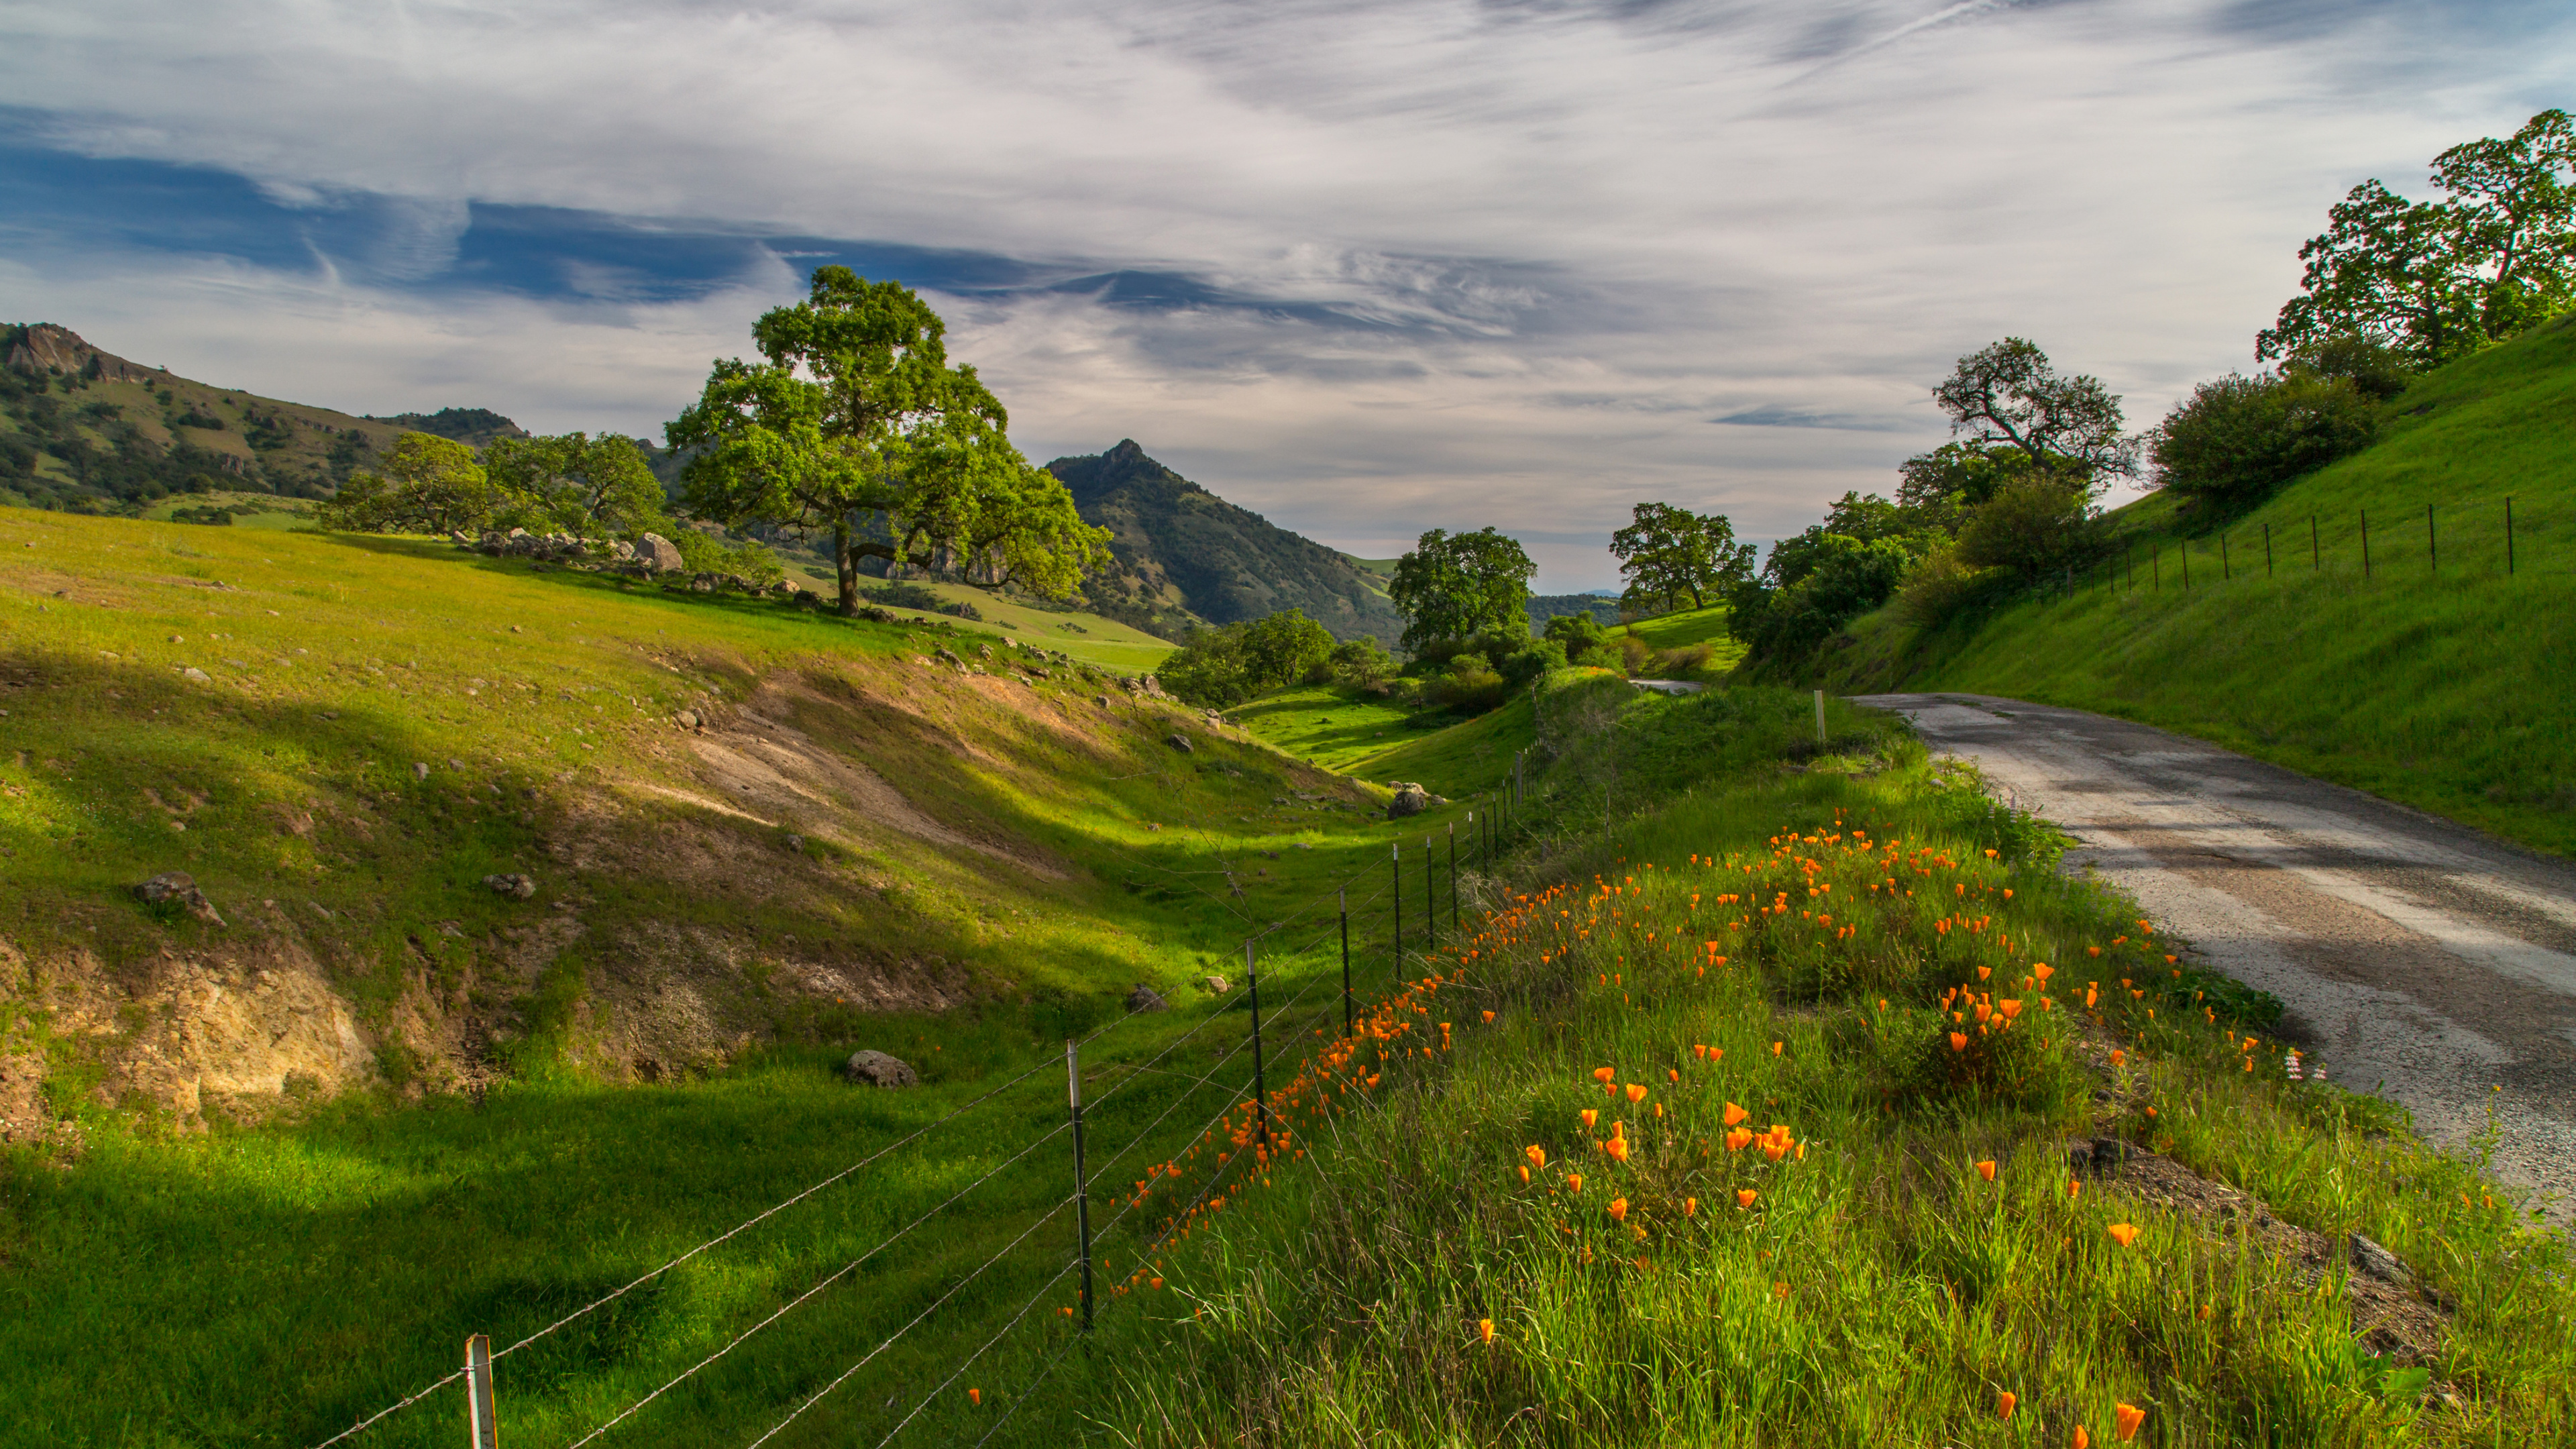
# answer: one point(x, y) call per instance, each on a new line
point(2437, 679)
point(87, 431)
point(1193, 556)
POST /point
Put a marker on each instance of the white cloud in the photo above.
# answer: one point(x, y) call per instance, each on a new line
point(1586, 230)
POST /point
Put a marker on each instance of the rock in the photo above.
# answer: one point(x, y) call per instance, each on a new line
point(687, 719)
point(177, 887)
point(876, 615)
point(879, 1070)
point(516, 887)
point(796, 842)
point(658, 554)
point(1180, 742)
point(622, 551)
point(420, 771)
point(1409, 800)
point(1144, 999)
point(945, 657)
point(1101, 700)
point(2378, 1262)
point(1213, 985)
point(983, 651)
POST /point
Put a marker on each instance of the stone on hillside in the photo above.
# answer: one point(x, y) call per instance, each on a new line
point(879, 1070)
point(516, 887)
point(1143, 998)
point(622, 551)
point(1180, 742)
point(194, 675)
point(876, 614)
point(1213, 985)
point(419, 771)
point(1409, 799)
point(2378, 1262)
point(177, 887)
point(658, 554)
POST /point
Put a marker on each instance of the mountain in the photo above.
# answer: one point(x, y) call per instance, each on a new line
point(86, 431)
point(1189, 555)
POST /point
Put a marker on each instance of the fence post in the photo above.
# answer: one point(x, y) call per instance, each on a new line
point(482, 1417)
point(2156, 569)
point(1453, 877)
point(1430, 900)
point(2185, 551)
point(2432, 543)
point(1343, 896)
point(2508, 537)
point(2225, 573)
point(2267, 550)
point(2365, 545)
point(1395, 861)
point(1081, 1182)
point(2313, 564)
point(1260, 1096)
point(1820, 716)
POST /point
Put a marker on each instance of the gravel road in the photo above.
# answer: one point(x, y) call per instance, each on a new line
point(2413, 953)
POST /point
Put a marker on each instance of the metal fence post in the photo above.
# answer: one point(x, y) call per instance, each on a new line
point(2267, 550)
point(1453, 876)
point(1395, 862)
point(2365, 544)
point(1081, 1184)
point(2432, 543)
point(2508, 537)
point(1430, 900)
point(1260, 1096)
point(482, 1417)
point(1343, 896)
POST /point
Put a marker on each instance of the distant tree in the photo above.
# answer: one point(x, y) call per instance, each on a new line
point(855, 427)
point(2009, 393)
point(1360, 660)
point(1667, 553)
point(1217, 668)
point(575, 483)
point(2034, 526)
point(1938, 489)
point(425, 484)
point(1001, 522)
point(2236, 439)
point(1456, 586)
point(2434, 280)
point(2378, 373)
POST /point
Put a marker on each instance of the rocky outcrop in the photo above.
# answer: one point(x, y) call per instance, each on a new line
point(46, 349)
point(877, 1069)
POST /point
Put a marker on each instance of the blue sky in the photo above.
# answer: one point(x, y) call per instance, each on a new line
point(1368, 268)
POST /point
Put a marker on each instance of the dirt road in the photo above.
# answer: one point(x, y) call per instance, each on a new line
point(2412, 952)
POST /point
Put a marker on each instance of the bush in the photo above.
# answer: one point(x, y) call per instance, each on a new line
point(1941, 584)
point(1222, 667)
point(706, 553)
point(1470, 685)
point(2236, 439)
point(1533, 661)
point(2033, 526)
point(1359, 661)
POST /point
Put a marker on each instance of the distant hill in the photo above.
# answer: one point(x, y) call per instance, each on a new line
point(86, 431)
point(1190, 555)
point(1543, 607)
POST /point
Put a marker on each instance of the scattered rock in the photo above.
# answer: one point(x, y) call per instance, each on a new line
point(1180, 742)
point(1144, 999)
point(2378, 1262)
point(687, 719)
point(177, 887)
point(1410, 799)
point(876, 615)
point(419, 771)
point(879, 1070)
point(1101, 700)
point(658, 554)
point(194, 675)
point(1213, 985)
point(516, 887)
point(796, 842)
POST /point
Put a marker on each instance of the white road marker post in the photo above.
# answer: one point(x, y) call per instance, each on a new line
point(1820, 716)
point(482, 1420)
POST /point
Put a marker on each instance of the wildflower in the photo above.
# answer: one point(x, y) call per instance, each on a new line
point(1484, 1330)
point(1780, 1290)
point(1958, 1041)
point(1986, 1170)
point(1604, 1074)
point(975, 1396)
point(1618, 1209)
point(2004, 1404)
point(1524, 1174)
point(1744, 1197)
point(1674, 1072)
point(2010, 1009)
point(1617, 1147)
point(1735, 1114)
point(1700, 1050)
point(1574, 1182)
point(1489, 1021)
point(1690, 1205)
point(2203, 1314)
point(2082, 1440)
point(2074, 1186)
point(1636, 1092)
point(1985, 971)
point(2117, 1057)
point(2124, 1233)
point(1154, 1282)
point(1591, 1118)
point(2127, 1418)
point(1536, 1154)
point(2043, 971)
point(1775, 1048)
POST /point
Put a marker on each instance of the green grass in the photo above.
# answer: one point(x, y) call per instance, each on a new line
point(1686, 627)
point(2439, 688)
point(1878, 1290)
point(1333, 726)
point(1088, 637)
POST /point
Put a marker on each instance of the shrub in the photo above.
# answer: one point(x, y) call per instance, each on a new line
point(1359, 661)
point(1221, 667)
point(707, 553)
point(2236, 439)
point(1941, 584)
point(1533, 661)
point(2033, 526)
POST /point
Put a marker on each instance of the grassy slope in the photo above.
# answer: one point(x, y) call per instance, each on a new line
point(1688, 627)
point(1877, 1289)
point(2446, 691)
point(314, 1267)
point(310, 431)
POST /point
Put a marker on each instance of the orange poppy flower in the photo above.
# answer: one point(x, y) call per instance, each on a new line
point(1674, 1073)
point(1716, 1054)
point(1986, 1170)
point(1574, 1182)
point(2074, 1186)
point(1775, 1048)
point(1958, 1041)
point(1591, 1117)
point(974, 1396)
point(1489, 1020)
point(2082, 1440)
point(2005, 1402)
point(1636, 1092)
point(1985, 971)
point(1735, 1114)
point(1690, 1205)
point(1617, 1147)
point(1700, 1050)
point(2124, 1233)
point(2126, 1419)
point(1536, 1154)
point(1744, 1197)
point(2117, 1057)
point(1485, 1330)
point(1154, 1282)
point(1737, 1140)
point(1618, 1209)
point(2010, 1009)
point(1604, 1074)
point(1524, 1174)
point(2043, 971)
point(1780, 1290)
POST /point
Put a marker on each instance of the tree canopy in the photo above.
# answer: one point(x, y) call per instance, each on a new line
point(425, 484)
point(1667, 553)
point(575, 484)
point(2009, 392)
point(2433, 280)
point(856, 427)
point(1456, 586)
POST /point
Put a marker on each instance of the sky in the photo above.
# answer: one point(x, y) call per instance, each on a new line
point(1365, 268)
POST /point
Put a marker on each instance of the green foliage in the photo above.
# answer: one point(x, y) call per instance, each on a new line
point(1942, 584)
point(1360, 661)
point(2377, 372)
point(2236, 439)
point(2009, 393)
point(1221, 667)
point(425, 484)
point(2437, 280)
point(1470, 685)
point(2033, 526)
point(1837, 577)
point(1939, 488)
point(1454, 586)
point(748, 560)
point(855, 427)
point(590, 487)
point(1668, 553)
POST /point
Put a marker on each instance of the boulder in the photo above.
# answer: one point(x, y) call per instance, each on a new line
point(1180, 742)
point(1143, 998)
point(516, 887)
point(1409, 799)
point(622, 551)
point(1213, 985)
point(2378, 1262)
point(876, 615)
point(419, 770)
point(177, 887)
point(879, 1070)
point(658, 554)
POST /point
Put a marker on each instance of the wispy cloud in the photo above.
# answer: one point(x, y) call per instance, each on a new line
point(1366, 267)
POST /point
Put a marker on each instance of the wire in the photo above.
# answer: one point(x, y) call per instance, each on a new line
point(969, 1361)
point(368, 1422)
point(835, 1276)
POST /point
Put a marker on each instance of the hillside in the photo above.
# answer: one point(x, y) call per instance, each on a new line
point(84, 430)
point(1193, 556)
point(2438, 679)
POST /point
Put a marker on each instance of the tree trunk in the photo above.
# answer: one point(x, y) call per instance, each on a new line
point(848, 565)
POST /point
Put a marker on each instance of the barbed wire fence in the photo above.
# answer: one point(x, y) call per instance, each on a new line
point(1420, 894)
